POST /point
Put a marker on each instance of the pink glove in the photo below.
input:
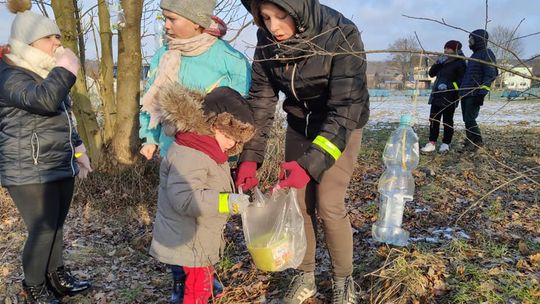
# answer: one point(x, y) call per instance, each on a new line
point(296, 177)
point(83, 161)
point(247, 175)
point(67, 59)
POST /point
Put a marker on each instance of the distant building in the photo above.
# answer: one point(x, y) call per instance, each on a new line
point(421, 75)
point(513, 81)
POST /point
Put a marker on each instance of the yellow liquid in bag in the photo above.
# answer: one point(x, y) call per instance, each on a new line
point(270, 257)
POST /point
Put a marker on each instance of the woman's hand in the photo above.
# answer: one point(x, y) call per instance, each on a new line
point(292, 175)
point(246, 177)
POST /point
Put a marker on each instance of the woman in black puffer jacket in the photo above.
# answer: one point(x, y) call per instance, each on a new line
point(445, 95)
point(40, 150)
point(313, 55)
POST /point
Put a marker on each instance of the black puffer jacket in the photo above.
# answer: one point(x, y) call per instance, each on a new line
point(449, 76)
point(37, 136)
point(478, 76)
point(325, 88)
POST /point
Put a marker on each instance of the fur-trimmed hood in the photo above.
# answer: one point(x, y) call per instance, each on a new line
point(225, 109)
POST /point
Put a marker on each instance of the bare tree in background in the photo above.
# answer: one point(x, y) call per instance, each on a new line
point(106, 66)
point(65, 15)
point(403, 63)
point(125, 139)
point(505, 46)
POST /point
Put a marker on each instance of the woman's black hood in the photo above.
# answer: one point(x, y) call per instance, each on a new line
point(307, 15)
point(480, 38)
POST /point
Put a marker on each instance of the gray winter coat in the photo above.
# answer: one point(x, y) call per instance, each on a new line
point(188, 226)
point(37, 134)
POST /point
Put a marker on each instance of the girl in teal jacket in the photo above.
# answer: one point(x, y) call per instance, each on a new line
point(195, 57)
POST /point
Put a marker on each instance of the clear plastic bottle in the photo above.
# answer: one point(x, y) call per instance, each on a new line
point(396, 185)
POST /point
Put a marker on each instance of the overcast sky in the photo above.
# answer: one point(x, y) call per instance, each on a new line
point(381, 21)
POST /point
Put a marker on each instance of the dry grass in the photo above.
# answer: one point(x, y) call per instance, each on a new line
point(406, 276)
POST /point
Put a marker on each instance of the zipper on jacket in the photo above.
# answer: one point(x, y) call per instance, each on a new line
point(35, 147)
point(70, 142)
point(296, 96)
point(292, 82)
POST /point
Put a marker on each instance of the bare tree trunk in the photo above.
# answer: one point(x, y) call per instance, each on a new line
point(82, 47)
point(106, 70)
point(87, 125)
point(125, 140)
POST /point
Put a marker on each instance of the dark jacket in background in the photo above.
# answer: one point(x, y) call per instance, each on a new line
point(450, 74)
point(325, 92)
point(479, 76)
point(37, 135)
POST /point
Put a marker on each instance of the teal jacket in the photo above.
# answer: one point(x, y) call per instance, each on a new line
point(220, 64)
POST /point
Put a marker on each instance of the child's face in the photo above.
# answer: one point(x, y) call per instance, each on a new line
point(177, 26)
point(225, 142)
point(48, 44)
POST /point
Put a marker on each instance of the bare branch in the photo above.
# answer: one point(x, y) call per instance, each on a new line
point(466, 31)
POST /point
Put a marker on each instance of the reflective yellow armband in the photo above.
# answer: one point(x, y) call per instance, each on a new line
point(327, 146)
point(223, 205)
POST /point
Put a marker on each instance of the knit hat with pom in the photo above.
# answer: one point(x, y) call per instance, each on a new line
point(29, 26)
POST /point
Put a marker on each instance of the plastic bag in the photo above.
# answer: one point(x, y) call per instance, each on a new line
point(274, 231)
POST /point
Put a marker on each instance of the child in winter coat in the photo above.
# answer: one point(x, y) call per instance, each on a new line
point(40, 149)
point(445, 96)
point(195, 191)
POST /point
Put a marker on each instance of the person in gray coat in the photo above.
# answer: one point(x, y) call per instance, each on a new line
point(196, 189)
point(40, 150)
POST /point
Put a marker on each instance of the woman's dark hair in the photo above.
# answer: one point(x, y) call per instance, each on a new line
point(256, 11)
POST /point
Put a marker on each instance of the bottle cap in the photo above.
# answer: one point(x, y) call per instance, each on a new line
point(405, 120)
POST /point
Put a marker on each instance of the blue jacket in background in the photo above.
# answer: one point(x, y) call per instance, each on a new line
point(478, 76)
point(221, 64)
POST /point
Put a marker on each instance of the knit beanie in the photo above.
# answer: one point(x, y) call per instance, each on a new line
point(453, 45)
point(29, 26)
point(197, 11)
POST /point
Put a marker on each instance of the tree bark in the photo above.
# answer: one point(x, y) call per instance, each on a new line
point(87, 125)
point(106, 66)
point(125, 141)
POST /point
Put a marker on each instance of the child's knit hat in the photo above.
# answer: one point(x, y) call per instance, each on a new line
point(29, 26)
point(198, 11)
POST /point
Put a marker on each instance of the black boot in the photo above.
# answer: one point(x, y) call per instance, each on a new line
point(63, 283)
point(39, 294)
